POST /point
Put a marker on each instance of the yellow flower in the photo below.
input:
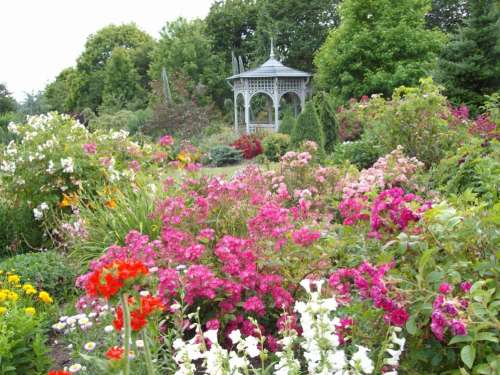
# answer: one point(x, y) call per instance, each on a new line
point(30, 311)
point(69, 200)
point(13, 279)
point(184, 157)
point(45, 297)
point(13, 296)
point(4, 294)
point(3, 310)
point(29, 289)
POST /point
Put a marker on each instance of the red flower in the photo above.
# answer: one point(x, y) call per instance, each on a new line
point(138, 316)
point(58, 372)
point(115, 353)
point(108, 280)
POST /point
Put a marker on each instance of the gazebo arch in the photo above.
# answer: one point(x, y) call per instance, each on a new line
point(271, 78)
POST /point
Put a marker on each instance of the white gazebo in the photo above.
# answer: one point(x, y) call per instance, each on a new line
point(272, 79)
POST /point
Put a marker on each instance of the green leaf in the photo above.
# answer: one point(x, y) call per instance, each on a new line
point(487, 336)
point(411, 325)
point(457, 339)
point(468, 355)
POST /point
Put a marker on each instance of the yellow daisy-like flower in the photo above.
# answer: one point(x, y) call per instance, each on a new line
point(3, 295)
point(13, 296)
point(14, 279)
point(3, 310)
point(30, 311)
point(45, 297)
point(29, 289)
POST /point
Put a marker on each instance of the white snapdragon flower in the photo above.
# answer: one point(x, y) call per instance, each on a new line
point(235, 336)
point(67, 165)
point(360, 360)
point(252, 346)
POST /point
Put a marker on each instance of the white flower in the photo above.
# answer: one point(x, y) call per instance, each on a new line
point(361, 358)
point(38, 214)
point(12, 127)
point(89, 346)
point(306, 284)
point(67, 165)
point(59, 326)
point(139, 344)
point(51, 168)
point(211, 335)
point(8, 166)
point(108, 329)
point(251, 346)
point(75, 368)
point(44, 206)
point(144, 293)
point(235, 336)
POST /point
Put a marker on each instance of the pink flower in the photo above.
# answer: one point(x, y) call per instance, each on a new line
point(305, 236)
point(254, 304)
point(398, 317)
point(134, 165)
point(90, 148)
point(166, 140)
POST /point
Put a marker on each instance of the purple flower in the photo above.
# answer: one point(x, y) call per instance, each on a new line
point(466, 286)
point(458, 328)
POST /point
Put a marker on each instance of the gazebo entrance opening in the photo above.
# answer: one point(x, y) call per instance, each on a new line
point(264, 92)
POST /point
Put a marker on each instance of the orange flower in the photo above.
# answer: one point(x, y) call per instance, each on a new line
point(111, 203)
point(69, 200)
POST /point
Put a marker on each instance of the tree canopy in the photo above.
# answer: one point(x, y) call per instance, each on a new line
point(379, 45)
point(7, 102)
point(469, 65)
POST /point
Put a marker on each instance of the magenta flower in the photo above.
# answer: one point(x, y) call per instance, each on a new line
point(466, 286)
point(445, 288)
point(254, 304)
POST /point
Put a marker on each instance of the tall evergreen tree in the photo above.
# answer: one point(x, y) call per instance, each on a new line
point(308, 127)
point(469, 65)
point(379, 45)
point(326, 112)
point(7, 102)
point(287, 123)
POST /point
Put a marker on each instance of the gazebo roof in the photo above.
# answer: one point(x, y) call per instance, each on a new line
point(271, 68)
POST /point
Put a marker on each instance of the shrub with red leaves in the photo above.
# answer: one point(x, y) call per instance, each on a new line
point(249, 145)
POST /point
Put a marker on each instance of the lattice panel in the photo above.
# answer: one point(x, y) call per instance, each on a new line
point(261, 85)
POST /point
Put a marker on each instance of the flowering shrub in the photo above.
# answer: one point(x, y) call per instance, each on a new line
point(249, 145)
point(56, 160)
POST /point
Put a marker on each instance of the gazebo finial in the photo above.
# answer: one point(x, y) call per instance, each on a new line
point(271, 55)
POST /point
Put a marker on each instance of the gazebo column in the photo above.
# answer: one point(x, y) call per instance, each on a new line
point(247, 113)
point(276, 101)
point(236, 112)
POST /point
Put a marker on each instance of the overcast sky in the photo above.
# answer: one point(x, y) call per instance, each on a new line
point(39, 38)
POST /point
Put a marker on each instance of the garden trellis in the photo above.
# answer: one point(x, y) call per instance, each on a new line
point(274, 80)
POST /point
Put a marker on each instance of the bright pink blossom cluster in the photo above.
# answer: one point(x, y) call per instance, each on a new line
point(370, 283)
point(390, 212)
point(450, 312)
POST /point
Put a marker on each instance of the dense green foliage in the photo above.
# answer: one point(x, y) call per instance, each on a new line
point(308, 127)
point(298, 27)
point(447, 15)
point(275, 145)
point(361, 153)
point(48, 270)
point(469, 65)
point(326, 112)
point(287, 123)
point(224, 155)
point(185, 49)
point(379, 45)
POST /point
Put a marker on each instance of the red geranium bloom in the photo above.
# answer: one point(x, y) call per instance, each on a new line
point(108, 280)
point(58, 372)
point(115, 353)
